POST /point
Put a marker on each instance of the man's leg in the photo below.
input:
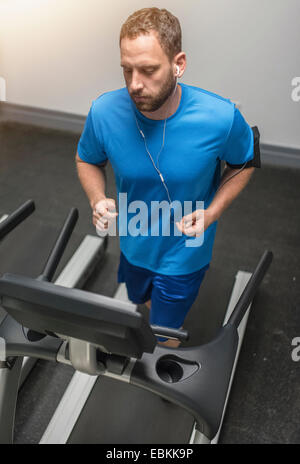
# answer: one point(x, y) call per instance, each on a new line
point(171, 299)
point(170, 343)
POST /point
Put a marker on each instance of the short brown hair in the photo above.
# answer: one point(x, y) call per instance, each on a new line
point(160, 20)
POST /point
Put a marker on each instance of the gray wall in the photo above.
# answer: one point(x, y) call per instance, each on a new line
point(61, 54)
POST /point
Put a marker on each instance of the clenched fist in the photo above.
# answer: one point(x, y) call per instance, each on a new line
point(104, 215)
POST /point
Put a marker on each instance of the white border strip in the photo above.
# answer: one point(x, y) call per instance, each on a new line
point(73, 401)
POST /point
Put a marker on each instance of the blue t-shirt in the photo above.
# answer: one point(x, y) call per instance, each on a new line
point(204, 130)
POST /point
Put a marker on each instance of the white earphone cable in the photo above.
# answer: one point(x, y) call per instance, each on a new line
point(163, 140)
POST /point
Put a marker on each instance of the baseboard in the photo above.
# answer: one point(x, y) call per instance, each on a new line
point(42, 118)
point(280, 156)
point(270, 154)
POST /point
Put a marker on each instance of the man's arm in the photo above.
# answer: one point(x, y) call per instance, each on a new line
point(228, 191)
point(92, 179)
point(196, 223)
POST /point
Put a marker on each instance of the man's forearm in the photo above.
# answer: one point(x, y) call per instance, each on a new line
point(229, 191)
point(93, 181)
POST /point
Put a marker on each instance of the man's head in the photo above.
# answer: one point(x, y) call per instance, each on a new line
point(150, 44)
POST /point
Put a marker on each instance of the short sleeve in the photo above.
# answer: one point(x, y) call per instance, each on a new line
point(239, 146)
point(90, 146)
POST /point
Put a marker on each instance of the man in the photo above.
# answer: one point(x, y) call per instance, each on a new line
point(165, 142)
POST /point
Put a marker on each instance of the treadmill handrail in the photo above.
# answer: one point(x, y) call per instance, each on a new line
point(15, 218)
point(59, 246)
point(250, 289)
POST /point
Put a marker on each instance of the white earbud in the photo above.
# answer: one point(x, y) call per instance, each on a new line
point(177, 71)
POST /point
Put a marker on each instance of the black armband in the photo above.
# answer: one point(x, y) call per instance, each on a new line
point(255, 162)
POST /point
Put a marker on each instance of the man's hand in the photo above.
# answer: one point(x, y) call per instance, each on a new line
point(104, 215)
point(196, 223)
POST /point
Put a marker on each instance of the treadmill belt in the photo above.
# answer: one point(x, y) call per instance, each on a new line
point(117, 412)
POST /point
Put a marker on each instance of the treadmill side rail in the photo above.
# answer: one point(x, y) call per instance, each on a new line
point(9, 385)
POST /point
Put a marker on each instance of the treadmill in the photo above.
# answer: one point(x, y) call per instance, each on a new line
point(119, 363)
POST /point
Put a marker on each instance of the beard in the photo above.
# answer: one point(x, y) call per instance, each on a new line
point(153, 103)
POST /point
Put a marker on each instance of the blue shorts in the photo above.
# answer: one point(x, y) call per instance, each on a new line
point(171, 296)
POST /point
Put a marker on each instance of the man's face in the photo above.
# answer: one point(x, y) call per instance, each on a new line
point(148, 73)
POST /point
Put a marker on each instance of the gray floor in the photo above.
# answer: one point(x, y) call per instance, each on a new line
point(264, 406)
